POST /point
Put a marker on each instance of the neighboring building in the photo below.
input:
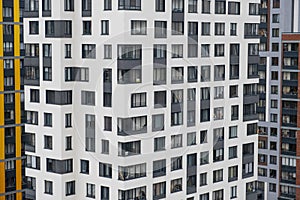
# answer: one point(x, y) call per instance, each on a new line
point(277, 107)
point(142, 99)
point(12, 159)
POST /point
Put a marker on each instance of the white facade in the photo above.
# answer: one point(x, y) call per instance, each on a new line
point(119, 34)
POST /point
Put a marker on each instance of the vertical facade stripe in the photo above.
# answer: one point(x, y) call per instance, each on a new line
point(2, 132)
point(17, 78)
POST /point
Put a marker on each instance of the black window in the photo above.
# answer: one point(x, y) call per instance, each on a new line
point(160, 5)
point(105, 170)
point(107, 4)
point(89, 51)
point(129, 5)
point(69, 5)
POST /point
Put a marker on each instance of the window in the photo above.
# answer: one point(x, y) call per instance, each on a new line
point(205, 29)
point(233, 132)
point(220, 7)
point(192, 74)
point(203, 179)
point(47, 73)
point(205, 73)
point(84, 167)
point(7, 11)
point(87, 98)
point(129, 148)
point(90, 190)
point(204, 196)
point(158, 122)
point(234, 112)
point(129, 5)
point(233, 8)
point(232, 152)
point(205, 6)
point(192, 50)
point(218, 154)
point(68, 51)
point(159, 144)
point(32, 117)
point(177, 50)
point(89, 51)
point(104, 193)
point(59, 166)
point(8, 63)
point(70, 188)
point(275, 18)
point(205, 50)
point(276, 3)
point(254, 8)
point(160, 5)
point(129, 52)
point(48, 119)
point(33, 27)
point(160, 30)
point(177, 75)
point(69, 5)
point(192, 28)
point(159, 190)
point(107, 4)
point(90, 133)
point(68, 120)
point(203, 137)
point(138, 27)
point(233, 29)
point(105, 170)
point(219, 50)
point(219, 28)
point(160, 99)
point(104, 27)
point(159, 168)
point(193, 6)
point(138, 100)
point(219, 73)
point(272, 187)
point(34, 95)
point(191, 139)
point(275, 32)
point(176, 141)
point(107, 51)
point(86, 28)
point(107, 123)
point(105, 146)
point(232, 173)
point(253, 49)
point(8, 47)
point(176, 185)
point(47, 142)
point(233, 192)
point(49, 187)
point(218, 195)
point(132, 172)
point(218, 175)
point(86, 6)
point(219, 92)
point(251, 30)
point(32, 162)
point(176, 163)
point(204, 158)
point(68, 143)
point(77, 74)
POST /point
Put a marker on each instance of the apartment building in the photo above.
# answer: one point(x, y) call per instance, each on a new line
point(277, 107)
point(135, 99)
point(12, 159)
